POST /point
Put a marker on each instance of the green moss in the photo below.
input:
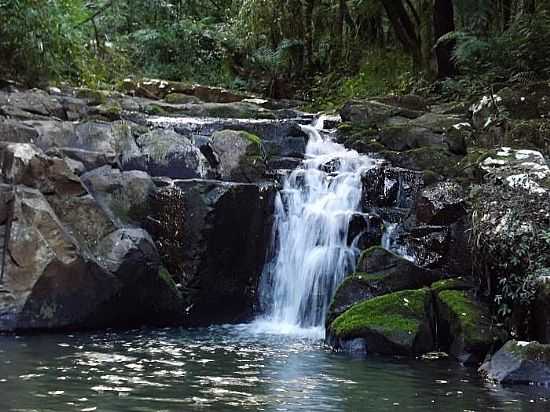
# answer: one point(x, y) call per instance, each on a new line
point(180, 98)
point(167, 278)
point(467, 313)
point(392, 314)
point(450, 284)
point(252, 138)
point(94, 97)
point(154, 109)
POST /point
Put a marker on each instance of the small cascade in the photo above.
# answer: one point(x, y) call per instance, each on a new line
point(311, 250)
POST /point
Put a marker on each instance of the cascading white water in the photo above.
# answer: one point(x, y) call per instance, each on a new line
point(311, 252)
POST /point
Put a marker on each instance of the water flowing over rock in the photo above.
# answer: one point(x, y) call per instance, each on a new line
point(311, 254)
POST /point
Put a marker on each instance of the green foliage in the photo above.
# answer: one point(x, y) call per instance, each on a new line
point(38, 40)
point(510, 245)
point(382, 72)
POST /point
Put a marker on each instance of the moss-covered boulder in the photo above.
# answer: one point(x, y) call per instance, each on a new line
point(464, 325)
point(519, 363)
point(374, 113)
point(395, 324)
point(239, 155)
point(180, 98)
point(380, 272)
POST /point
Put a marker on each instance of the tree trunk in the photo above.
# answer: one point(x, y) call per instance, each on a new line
point(309, 27)
point(405, 30)
point(443, 24)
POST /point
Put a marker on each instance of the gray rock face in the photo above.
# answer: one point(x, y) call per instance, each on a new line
point(66, 265)
point(373, 113)
point(519, 363)
point(16, 132)
point(166, 153)
point(34, 103)
point(239, 155)
point(124, 195)
point(226, 229)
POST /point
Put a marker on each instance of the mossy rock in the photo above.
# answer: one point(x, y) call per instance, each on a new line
point(394, 324)
point(93, 97)
point(464, 325)
point(180, 98)
point(469, 167)
point(529, 134)
point(109, 111)
point(240, 155)
point(436, 159)
point(154, 110)
point(458, 283)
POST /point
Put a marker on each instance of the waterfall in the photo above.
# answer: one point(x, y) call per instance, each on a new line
point(311, 252)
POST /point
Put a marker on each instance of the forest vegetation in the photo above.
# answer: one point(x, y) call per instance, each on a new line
point(323, 51)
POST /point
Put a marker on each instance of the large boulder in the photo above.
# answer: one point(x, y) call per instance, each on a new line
point(167, 153)
point(374, 113)
point(379, 272)
point(47, 281)
point(149, 294)
point(225, 228)
point(519, 363)
point(395, 324)
point(464, 325)
point(123, 194)
point(240, 156)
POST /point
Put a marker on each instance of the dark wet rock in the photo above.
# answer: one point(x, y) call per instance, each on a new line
point(365, 229)
point(124, 195)
point(166, 153)
point(390, 187)
point(435, 160)
point(239, 156)
point(398, 323)
point(148, 295)
point(540, 318)
point(464, 325)
point(408, 137)
point(519, 363)
point(437, 123)
point(225, 228)
point(441, 204)
point(428, 245)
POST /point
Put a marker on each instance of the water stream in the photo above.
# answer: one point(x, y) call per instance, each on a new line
point(311, 250)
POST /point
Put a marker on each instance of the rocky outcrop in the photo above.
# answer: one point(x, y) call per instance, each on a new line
point(225, 228)
point(519, 363)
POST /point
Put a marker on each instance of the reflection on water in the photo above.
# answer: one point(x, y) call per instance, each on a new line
point(231, 368)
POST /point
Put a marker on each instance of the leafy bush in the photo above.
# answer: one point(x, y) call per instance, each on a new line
point(38, 39)
point(510, 245)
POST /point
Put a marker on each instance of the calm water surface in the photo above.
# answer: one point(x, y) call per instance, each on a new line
point(232, 368)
